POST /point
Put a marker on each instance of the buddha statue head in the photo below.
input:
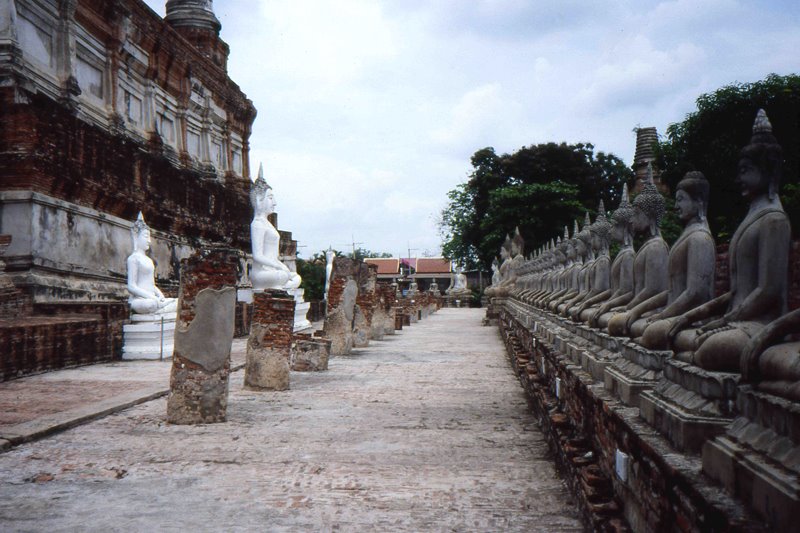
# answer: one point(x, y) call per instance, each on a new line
point(691, 197)
point(583, 239)
point(558, 252)
point(600, 230)
point(140, 235)
point(261, 197)
point(760, 163)
point(572, 244)
point(622, 219)
point(648, 206)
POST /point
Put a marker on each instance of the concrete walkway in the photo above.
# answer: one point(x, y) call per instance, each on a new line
point(426, 431)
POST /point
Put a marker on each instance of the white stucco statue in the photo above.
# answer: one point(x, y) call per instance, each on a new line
point(268, 270)
point(145, 298)
point(329, 255)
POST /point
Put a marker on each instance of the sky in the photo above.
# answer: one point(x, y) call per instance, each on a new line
point(369, 110)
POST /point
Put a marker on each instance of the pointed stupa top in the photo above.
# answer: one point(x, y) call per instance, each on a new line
point(575, 229)
point(566, 233)
point(762, 123)
point(192, 13)
point(601, 209)
point(586, 220)
point(624, 212)
point(139, 224)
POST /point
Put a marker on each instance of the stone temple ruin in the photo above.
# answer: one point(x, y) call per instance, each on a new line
point(643, 376)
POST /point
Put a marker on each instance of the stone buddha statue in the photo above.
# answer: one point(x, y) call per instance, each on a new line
point(268, 270)
point(507, 277)
point(758, 263)
point(559, 284)
point(583, 246)
point(692, 261)
point(547, 262)
point(459, 287)
point(771, 365)
point(650, 275)
point(621, 279)
point(145, 298)
point(495, 271)
point(572, 272)
point(599, 276)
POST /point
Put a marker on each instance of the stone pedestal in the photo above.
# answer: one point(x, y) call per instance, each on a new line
point(149, 337)
point(301, 308)
point(269, 347)
point(758, 458)
point(690, 405)
point(398, 319)
point(310, 354)
point(636, 371)
point(203, 336)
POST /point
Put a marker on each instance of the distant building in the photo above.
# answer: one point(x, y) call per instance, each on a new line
point(646, 140)
point(421, 269)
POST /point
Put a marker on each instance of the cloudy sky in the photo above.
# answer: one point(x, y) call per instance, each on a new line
point(369, 110)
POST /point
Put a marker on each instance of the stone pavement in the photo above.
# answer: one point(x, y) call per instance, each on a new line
point(425, 431)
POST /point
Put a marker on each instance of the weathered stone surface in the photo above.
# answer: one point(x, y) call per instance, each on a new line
point(430, 432)
point(269, 347)
point(310, 354)
point(201, 362)
point(342, 295)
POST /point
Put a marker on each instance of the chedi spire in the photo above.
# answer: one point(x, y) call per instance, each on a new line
point(192, 13)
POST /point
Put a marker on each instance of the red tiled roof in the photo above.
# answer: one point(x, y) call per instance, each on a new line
point(433, 265)
point(385, 265)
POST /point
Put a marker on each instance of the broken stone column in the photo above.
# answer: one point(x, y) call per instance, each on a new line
point(269, 347)
point(365, 305)
point(203, 335)
point(310, 354)
point(342, 294)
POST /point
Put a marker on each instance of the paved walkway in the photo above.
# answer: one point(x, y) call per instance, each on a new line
point(426, 431)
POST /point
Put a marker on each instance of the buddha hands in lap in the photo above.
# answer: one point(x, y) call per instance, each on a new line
point(758, 263)
point(692, 261)
point(268, 270)
point(145, 298)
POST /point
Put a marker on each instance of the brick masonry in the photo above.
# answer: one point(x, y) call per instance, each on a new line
point(198, 392)
point(269, 347)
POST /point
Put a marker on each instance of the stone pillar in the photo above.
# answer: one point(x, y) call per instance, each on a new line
point(269, 348)
point(201, 361)
point(342, 296)
point(365, 305)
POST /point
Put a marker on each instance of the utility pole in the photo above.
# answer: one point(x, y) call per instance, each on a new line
point(353, 244)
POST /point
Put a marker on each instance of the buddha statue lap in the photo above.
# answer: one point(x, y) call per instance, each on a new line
point(758, 265)
point(692, 260)
point(268, 270)
point(650, 263)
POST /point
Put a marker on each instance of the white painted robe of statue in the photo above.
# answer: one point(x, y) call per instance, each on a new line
point(150, 336)
point(268, 270)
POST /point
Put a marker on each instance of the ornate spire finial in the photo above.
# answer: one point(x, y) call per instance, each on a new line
point(139, 224)
point(762, 123)
point(566, 233)
point(586, 220)
point(601, 209)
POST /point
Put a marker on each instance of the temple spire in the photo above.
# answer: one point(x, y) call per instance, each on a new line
point(192, 13)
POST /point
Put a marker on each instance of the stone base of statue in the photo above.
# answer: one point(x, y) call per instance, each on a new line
point(758, 458)
point(310, 354)
point(690, 405)
point(269, 347)
point(203, 335)
point(148, 337)
point(636, 371)
point(301, 308)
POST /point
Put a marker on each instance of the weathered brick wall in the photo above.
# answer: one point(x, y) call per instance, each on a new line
point(344, 269)
point(586, 425)
point(274, 309)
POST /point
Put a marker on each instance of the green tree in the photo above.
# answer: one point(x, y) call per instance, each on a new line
point(710, 138)
point(539, 188)
point(313, 273)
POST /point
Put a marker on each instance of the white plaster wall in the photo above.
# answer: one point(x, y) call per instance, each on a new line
point(67, 247)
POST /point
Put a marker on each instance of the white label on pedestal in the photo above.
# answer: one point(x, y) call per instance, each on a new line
point(558, 388)
point(621, 465)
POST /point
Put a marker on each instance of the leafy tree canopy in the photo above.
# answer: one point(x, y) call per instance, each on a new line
point(710, 138)
point(539, 188)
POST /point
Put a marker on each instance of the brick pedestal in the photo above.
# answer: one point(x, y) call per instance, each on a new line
point(269, 347)
point(342, 294)
point(310, 354)
point(203, 336)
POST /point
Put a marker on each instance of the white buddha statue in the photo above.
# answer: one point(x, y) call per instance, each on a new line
point(145, 298)
point(268, 270)
point(329, 256)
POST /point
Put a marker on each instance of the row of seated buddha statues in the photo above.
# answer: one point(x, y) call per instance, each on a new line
point(661, 296)
point(716, 374)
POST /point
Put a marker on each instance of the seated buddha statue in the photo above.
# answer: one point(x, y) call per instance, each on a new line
point(772, 364)
point(268, 270)
point(758, 264)
point(145, 298)
point(600, 232)
point(583, 247)
point(621, 275)
point(573, 265)
point(650, 263)
point(692, 260)
point(560, 283)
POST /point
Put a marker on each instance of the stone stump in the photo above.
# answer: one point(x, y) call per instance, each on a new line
point(342, 294)
point(203, 335)
point(310, 354)
point(269, 347)
point(398, 319)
